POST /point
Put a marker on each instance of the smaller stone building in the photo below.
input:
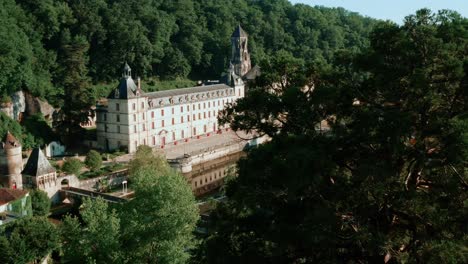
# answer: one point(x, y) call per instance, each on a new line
point(14, 204)
point(39, 174)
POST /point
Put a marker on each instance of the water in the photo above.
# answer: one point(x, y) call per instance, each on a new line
point(208, 177)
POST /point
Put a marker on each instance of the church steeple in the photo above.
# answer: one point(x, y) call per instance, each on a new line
point(127, 71)
point(240, 56)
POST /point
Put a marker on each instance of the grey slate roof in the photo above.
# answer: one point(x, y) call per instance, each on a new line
point(253, 73)
point(239, 33)
point(183, 91)
point(125, 90)
point(37, 164)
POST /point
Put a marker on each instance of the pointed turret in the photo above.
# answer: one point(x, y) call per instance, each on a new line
point(127, 71)
point(11, 162)
point(37, 164)
point(9, 141)
point(240, 56)
point(127, 87)
point(239, 33)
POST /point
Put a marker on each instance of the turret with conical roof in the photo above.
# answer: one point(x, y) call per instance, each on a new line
point(11, 162)
point(240, 56)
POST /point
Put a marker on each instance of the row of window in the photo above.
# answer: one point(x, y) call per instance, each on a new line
point(205, 115)
point(153, 127)
point(213, 176)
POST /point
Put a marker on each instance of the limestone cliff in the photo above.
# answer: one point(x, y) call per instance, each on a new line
point(23, 102)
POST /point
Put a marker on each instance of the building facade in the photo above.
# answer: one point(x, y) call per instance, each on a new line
point(132, 117)
point(39, 174)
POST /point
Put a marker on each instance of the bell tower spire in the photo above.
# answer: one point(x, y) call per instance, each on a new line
point(127, 71)
point(240, 56)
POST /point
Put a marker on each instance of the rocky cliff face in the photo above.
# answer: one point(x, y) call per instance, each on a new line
point(18, 105)
point(35, 105)
point(24, 102)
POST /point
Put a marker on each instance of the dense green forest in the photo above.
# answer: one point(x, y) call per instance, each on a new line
point(161, 39)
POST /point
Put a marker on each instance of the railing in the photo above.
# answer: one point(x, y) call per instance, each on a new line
point(92, 194)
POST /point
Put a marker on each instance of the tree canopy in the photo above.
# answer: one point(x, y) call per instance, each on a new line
point(28, 240)
point(156, 226)
point(167, 39)
point(367, 161)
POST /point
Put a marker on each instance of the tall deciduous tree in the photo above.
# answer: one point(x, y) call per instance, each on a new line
point(28, 240)
point(158, 223)
point(96, 239)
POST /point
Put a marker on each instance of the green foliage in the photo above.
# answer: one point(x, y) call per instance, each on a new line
point(157, 38)
point(40, 203)
point(27, 240)
point(8, 124)
point(77, 93)
point(39, 129)
point(155, 226)
point(72, 166)
point(385, 178)
point(96, 238)
point(34, 133)
point(160, 220)
point(21, 207)
point(93, 160)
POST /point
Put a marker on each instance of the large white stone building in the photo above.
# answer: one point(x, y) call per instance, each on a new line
point(132, 117)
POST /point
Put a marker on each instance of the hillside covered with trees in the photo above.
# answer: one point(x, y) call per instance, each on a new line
point(50, 46)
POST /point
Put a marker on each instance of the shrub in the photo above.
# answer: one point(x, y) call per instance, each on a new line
point(72, 166)
point(93, 160)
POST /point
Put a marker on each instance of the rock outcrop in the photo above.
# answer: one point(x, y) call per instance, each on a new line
point(24, 102)
point(35, 105)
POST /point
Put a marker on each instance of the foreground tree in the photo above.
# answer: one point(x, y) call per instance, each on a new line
point(28, 240)
point(159, 222)
point(96, 238)
point(387, 182)
point(156, 226)
point(40, 203)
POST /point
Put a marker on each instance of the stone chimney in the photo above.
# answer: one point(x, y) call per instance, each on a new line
point(139, 83)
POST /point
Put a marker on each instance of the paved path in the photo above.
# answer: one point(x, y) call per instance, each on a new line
point(195, 145)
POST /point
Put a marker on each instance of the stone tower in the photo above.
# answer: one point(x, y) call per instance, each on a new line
point(11, 163)
point(240, 56)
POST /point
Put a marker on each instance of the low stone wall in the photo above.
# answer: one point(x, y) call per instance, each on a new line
point(115, 178)
point(185, 164)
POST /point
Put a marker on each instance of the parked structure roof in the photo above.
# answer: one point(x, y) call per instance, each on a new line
point(9, 195)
